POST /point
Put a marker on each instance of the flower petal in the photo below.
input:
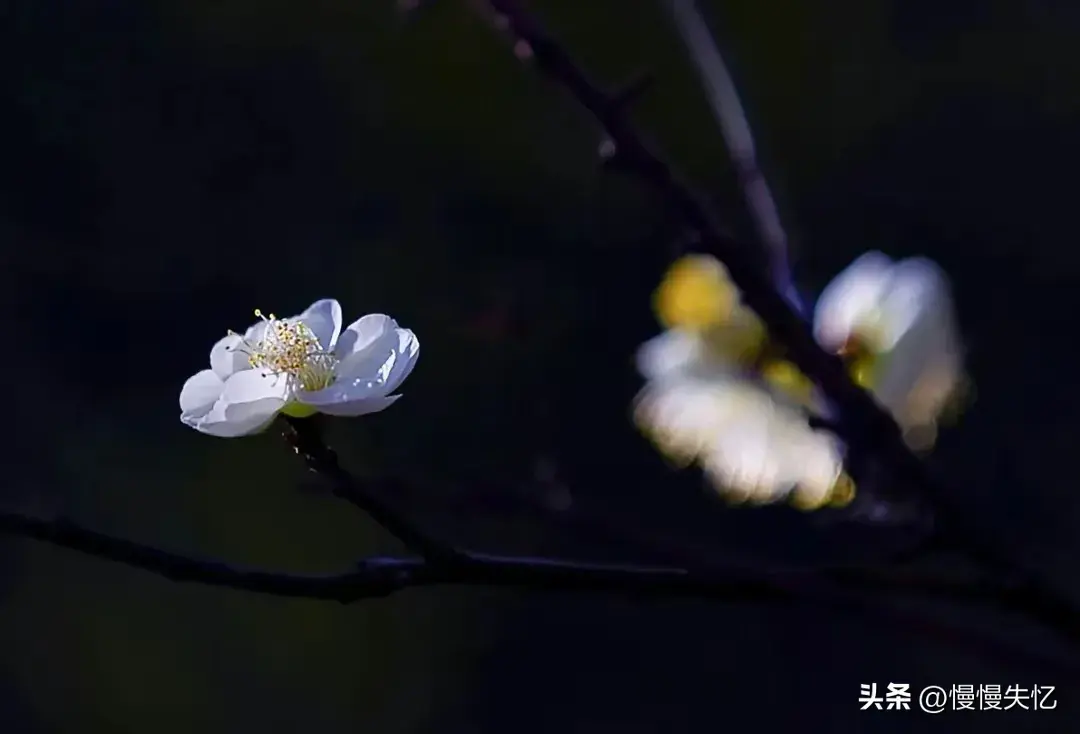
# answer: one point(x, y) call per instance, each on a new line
point(373, 360)
point(225, 422)
point(250, 386)
point(408, 351)
point(200, 392)
point(256, 332)
point(324, 319)
point(247, 403)
point(674, 352)
point(248, 418)
point(226, 357)
point(849, 297)
point(382, 357)
point(361, 386)
point(363, 406)
point(363, 333)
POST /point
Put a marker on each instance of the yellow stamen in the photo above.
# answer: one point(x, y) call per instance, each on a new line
point(863, 372)
point(289, 347)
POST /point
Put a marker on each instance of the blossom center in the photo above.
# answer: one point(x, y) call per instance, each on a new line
point(861, 360)
point(289, 347)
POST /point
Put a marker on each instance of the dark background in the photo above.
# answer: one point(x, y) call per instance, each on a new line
point(165, 167)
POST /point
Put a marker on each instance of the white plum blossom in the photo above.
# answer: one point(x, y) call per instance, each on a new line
point(718, 395)
point(299, 366)
point(752, 444)
point(895, 322)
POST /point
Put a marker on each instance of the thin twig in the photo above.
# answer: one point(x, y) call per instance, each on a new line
point(729, 113)
point(867, 429)
point(305, 438)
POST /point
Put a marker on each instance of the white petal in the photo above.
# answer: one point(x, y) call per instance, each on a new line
point(247, 418)
point(234, 421)
point(363, 333)
point(672, 352)
point(248, 403)
point(324, 319)
point(917, 296)
point(684, 417)
point(850, 298)
point(253, 385)
point(354, 408)
point(363, 384)
point(382, 357)
point(372, 363)
point(200, 392)
point(226, 358)
point(751, 447)
point(256, 332)
point(408, 351)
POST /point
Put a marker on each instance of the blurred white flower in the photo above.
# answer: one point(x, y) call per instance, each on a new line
point(299, 366)
point(710, 329)
point(719, 395)
point(677, 352)
point(752, 445)
point(895, 324)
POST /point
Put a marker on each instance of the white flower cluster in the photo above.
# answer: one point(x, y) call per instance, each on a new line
point(719, 394)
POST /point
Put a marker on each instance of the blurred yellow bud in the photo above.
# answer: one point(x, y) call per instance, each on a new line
point(696, 293)
point(806, 501)
point(843, 491)
point(841, 495)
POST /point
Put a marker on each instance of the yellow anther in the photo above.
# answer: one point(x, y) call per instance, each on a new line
point(291, 348)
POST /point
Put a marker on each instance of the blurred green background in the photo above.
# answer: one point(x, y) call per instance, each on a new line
point(172, 165)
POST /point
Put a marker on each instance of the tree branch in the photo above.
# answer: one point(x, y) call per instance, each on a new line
point(729, 113)
point(305, 438)
point(362, 583)
point(381, 576)
point(868, 430)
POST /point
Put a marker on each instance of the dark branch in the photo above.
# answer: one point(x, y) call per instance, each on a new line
point(850, 590)
point(868, 430)
point(381, 576)
point(366, 582)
